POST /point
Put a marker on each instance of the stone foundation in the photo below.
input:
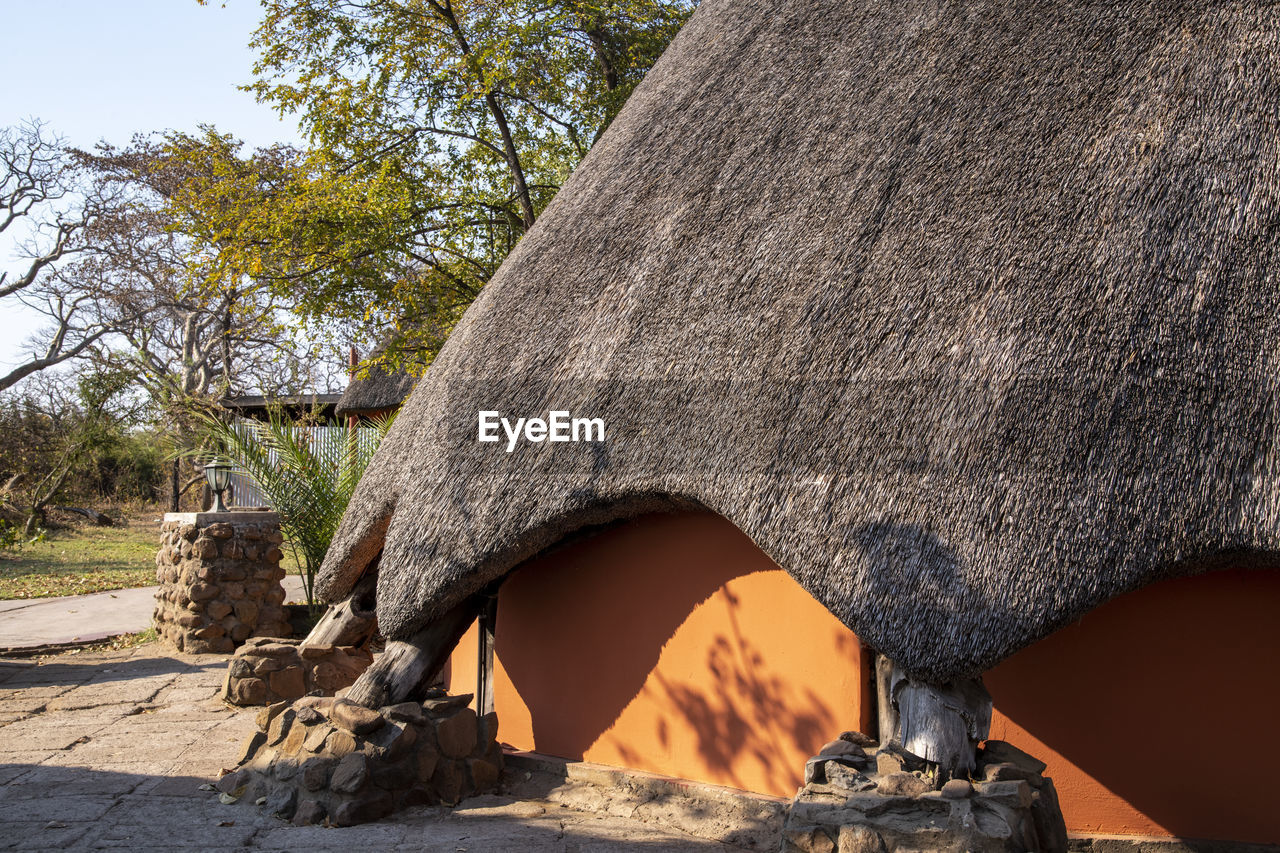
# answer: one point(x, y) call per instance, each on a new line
point(856, 802)
point(219, 575)
point(330, 761)
point(266, 671)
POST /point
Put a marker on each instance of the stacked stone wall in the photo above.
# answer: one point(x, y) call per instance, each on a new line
point(219, 576)
point(323, 760)
point(265, 671)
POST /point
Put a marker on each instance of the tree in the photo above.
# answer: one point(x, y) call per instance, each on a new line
point(44, 194)
point(55, 430)
point(211, 328)
point(440, 129)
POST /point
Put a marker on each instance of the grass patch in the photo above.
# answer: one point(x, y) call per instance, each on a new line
point(82, 559)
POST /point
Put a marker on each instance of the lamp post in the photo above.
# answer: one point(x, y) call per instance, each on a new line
point(218, 475)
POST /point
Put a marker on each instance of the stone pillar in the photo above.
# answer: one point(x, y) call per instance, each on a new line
point(219, 575)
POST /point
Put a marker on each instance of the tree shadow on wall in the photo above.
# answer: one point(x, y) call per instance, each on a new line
point(746, 714)
point(580, 633)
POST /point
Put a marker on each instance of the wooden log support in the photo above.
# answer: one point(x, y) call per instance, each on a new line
point(943, 724)
point(353, 621)
point(407, 664)
point(488, 623)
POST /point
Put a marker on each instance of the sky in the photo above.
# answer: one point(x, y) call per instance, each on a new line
point(106, 69)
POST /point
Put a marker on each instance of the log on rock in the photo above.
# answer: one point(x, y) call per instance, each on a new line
point(351, 622)
point(92, 514)
point(407, 665)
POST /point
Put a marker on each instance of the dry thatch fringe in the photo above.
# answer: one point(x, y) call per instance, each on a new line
point(965, 312)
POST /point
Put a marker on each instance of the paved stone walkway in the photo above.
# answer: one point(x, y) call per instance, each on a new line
point(29, 622)
point(108, 750)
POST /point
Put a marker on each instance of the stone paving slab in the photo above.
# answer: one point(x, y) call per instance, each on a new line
point(108, 750)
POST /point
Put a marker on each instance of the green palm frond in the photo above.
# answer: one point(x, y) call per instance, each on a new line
point(305, 476)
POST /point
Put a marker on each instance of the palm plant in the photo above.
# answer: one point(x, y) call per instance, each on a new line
point(306, 476)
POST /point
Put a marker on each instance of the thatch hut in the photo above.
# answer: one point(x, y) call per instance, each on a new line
point(963, 314)
point(379, 390)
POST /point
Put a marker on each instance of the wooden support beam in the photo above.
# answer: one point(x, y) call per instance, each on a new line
point(941, 723)
point(406, 664)
point(353, 621)
point(488, 625)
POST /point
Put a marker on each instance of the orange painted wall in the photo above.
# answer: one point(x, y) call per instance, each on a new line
point(671, 644)
point(1159, 712)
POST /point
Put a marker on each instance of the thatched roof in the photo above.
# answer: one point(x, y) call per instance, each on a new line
point(967, 314)
point(380, 389)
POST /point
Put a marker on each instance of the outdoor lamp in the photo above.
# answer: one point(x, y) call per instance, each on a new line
point(218, 474)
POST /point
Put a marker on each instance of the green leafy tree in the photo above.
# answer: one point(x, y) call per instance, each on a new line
point(306, 475)
point(440, 130)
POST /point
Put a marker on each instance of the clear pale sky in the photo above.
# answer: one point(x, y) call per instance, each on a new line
point(107, 69)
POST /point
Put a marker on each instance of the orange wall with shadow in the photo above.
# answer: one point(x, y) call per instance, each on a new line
point(1159, 712)
point(672, 644)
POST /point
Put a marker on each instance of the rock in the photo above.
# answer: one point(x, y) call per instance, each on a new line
point(957, 789)
point(815, 770)
point(351, 774)
point(318, 650)
point(902, 784)
point(457, 734)
point(232, 782)
point(217, 609)
point(309, 716)
point(317, 736)
point(279, 727)
point(248, 691)
point(484, 775)
point(203, 591)
point(1046, 816)
point(447, 781)
point(372, 805)
point(846, 778)
point(808, 840)
point(427, 759)
point(392, 740)
point(296, 737)
point(269, 713)
point(220, 530)
point(1016, 795)
point(841, 747)
point(447, 704)
point(859, 839)
point(323, 704)
point(247, 611)
point(241, 631)
point(1007, 771)
point(489, 728)
point(204, 549)
point(315, 772)
point(395, 776)
point(356, 718)
point(339, 743)
point(405, 712)
point(999, 752)
point(858, 739)
point(309, 812)
point(892, 758)
point(272, 648)
point(289, 683)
